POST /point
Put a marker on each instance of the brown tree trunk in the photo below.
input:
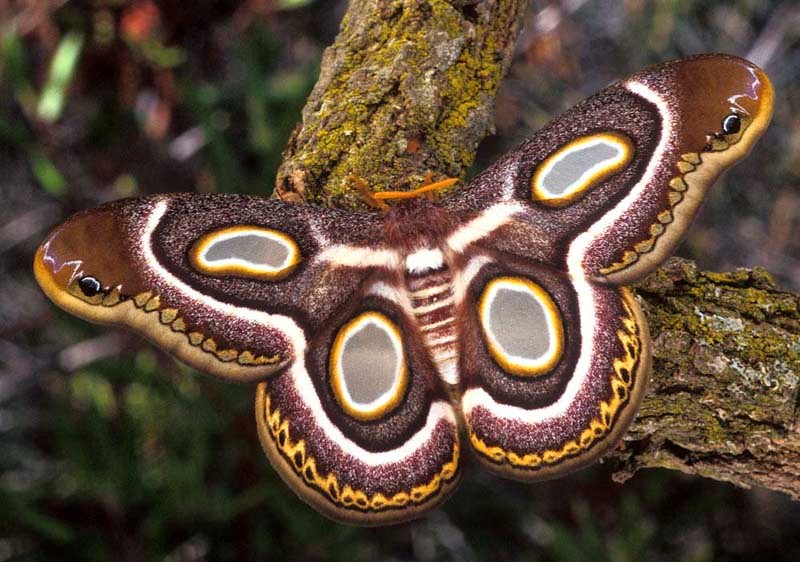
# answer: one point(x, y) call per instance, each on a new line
point(408, 88)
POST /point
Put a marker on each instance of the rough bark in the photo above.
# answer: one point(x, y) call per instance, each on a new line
point(722, 401)
point(408, 88)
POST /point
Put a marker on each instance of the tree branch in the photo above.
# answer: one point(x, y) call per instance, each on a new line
point(723, 397)
point(408, 88)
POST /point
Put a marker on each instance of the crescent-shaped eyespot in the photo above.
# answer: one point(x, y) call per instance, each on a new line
point(368, 372)
point(90, 286)
point(732, 124)
point(522, 326)
point(246, 251)
point(570, 172)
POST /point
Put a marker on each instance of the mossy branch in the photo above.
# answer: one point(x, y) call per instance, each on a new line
point(722, 401)
point(409, 88)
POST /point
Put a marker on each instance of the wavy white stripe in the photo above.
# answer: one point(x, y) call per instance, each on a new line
point(463, 278)
point(479, 397)
point(279, 322)
point(481, 226)
point(586, 301)
point(305, 388)
point(355, 256)
point(581, 244)
point(391, 293)
point(438, 411)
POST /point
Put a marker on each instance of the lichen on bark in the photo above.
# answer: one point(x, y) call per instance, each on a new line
point(407, 88)
point(722, 401)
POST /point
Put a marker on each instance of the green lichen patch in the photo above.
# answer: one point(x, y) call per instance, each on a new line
point(726, 376)
point(407, 89)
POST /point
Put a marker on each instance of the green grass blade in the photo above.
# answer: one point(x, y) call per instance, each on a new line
point(62, 70)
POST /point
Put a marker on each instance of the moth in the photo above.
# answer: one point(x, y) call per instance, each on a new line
point(389, 347)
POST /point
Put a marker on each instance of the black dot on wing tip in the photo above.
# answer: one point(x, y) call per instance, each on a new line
point(90, 286)
point(731, 124)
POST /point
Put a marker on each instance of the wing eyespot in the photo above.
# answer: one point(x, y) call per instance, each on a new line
point(522, 326)
point(572, 170)
point(368, 372)
point(731, 124)
point(91, 291)
point(732, 129)
point(245, 251)
point(90, 286)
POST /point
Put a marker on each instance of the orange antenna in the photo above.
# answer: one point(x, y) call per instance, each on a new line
point(428, 187)
point(365, 192)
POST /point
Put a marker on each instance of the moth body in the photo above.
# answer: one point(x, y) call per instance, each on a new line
point(433, 307)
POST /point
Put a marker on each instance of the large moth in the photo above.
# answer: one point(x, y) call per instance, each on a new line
point(390, 346)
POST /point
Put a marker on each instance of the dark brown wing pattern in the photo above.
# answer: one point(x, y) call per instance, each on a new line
point(599, 197)
point(378, 339)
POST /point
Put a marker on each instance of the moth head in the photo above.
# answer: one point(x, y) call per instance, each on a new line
point(721, 102)
point(86, 262)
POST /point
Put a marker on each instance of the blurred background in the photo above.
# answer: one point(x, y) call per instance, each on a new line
point(111, 450)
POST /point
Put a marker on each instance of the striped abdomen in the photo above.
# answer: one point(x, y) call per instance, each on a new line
point(433, 304)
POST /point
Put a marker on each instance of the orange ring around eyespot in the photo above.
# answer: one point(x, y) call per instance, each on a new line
point(337, 377)
point(239, 269)
point(586, 182)
point(554, 325)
